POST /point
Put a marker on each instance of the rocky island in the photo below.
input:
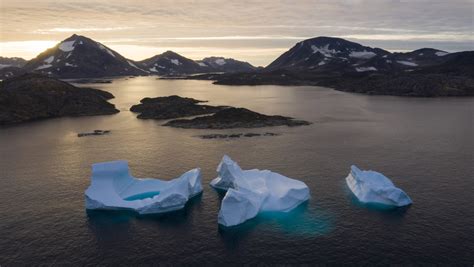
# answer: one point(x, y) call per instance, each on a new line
point(235, 118)
point(224, 117)
point(32, 97)
point(172, 107)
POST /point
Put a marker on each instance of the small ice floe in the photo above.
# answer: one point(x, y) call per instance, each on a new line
point(250, 192)
point(371, 187)
point(114, 188)
point(95, 132)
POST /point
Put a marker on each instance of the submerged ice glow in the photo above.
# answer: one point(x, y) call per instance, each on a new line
point(250, 192)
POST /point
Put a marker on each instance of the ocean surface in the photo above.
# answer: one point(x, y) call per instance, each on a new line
point(424, 145)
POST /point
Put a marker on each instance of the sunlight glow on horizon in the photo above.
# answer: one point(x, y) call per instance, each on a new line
point(257, 32)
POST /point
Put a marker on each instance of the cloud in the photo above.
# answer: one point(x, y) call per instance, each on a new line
point(79, 30)
point(228, 25)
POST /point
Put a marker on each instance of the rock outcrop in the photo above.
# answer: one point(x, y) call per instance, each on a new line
point(32, 97)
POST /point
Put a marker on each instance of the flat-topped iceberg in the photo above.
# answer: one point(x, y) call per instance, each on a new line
point(114, 188)
point(252, 191)
point(371, 187)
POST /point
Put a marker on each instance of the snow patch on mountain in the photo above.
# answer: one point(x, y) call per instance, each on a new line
point(220, 61)
point(135, 66)
point(407, 63)
point(175, 61)
point(49, 60)
point(70, 65)
point(364, 69)
point(362, 54)
point(105, 49)
point(325, 51)
point(441, 53)
point(202, 64)
point(45, 66)
point(66, 46)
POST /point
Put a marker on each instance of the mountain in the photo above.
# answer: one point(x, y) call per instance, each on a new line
point(79, 56)
point(336, 55)
point(12, 62)
point(455, 64)
point(326, 54)
point(33, 96)
point(221, 64)
point(170, 63)
point(352, 67)
point(9, 72)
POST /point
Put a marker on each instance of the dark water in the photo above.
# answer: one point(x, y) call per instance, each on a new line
point(425, 145)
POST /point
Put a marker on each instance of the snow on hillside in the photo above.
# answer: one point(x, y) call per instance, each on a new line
point(407, 63)
point(362, 54)
point(325, 51)
point(49, 60)
point(175, 61)
point(67, 46)
point(441, 53)
point(364, 69)
point(220, 61)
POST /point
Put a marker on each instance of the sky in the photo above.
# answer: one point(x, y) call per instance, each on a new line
point(253, 31)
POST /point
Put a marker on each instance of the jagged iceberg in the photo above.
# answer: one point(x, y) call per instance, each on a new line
point(371, 187)
point(252, 191)
point(113, 188)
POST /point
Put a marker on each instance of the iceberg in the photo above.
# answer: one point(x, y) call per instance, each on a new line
point(113, 188)
point(371, 187)
point(250, 192)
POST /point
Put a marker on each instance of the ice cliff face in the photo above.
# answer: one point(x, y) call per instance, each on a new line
point(113, 188)
point(374, 188)
point(252, 191)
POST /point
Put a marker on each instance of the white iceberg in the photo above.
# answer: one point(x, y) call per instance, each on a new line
point(113, 188)
point(371, 187)
point(252, 191)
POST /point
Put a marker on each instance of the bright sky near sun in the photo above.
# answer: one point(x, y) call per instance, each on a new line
point(254, 31)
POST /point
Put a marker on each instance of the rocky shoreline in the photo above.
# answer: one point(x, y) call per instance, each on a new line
point(416, 84)
point(235, 135)
point(235, 118)
point(171, 107)
point(33, 97)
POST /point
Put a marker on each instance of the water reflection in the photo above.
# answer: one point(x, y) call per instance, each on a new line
point(109, 225)
point(301, 222)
